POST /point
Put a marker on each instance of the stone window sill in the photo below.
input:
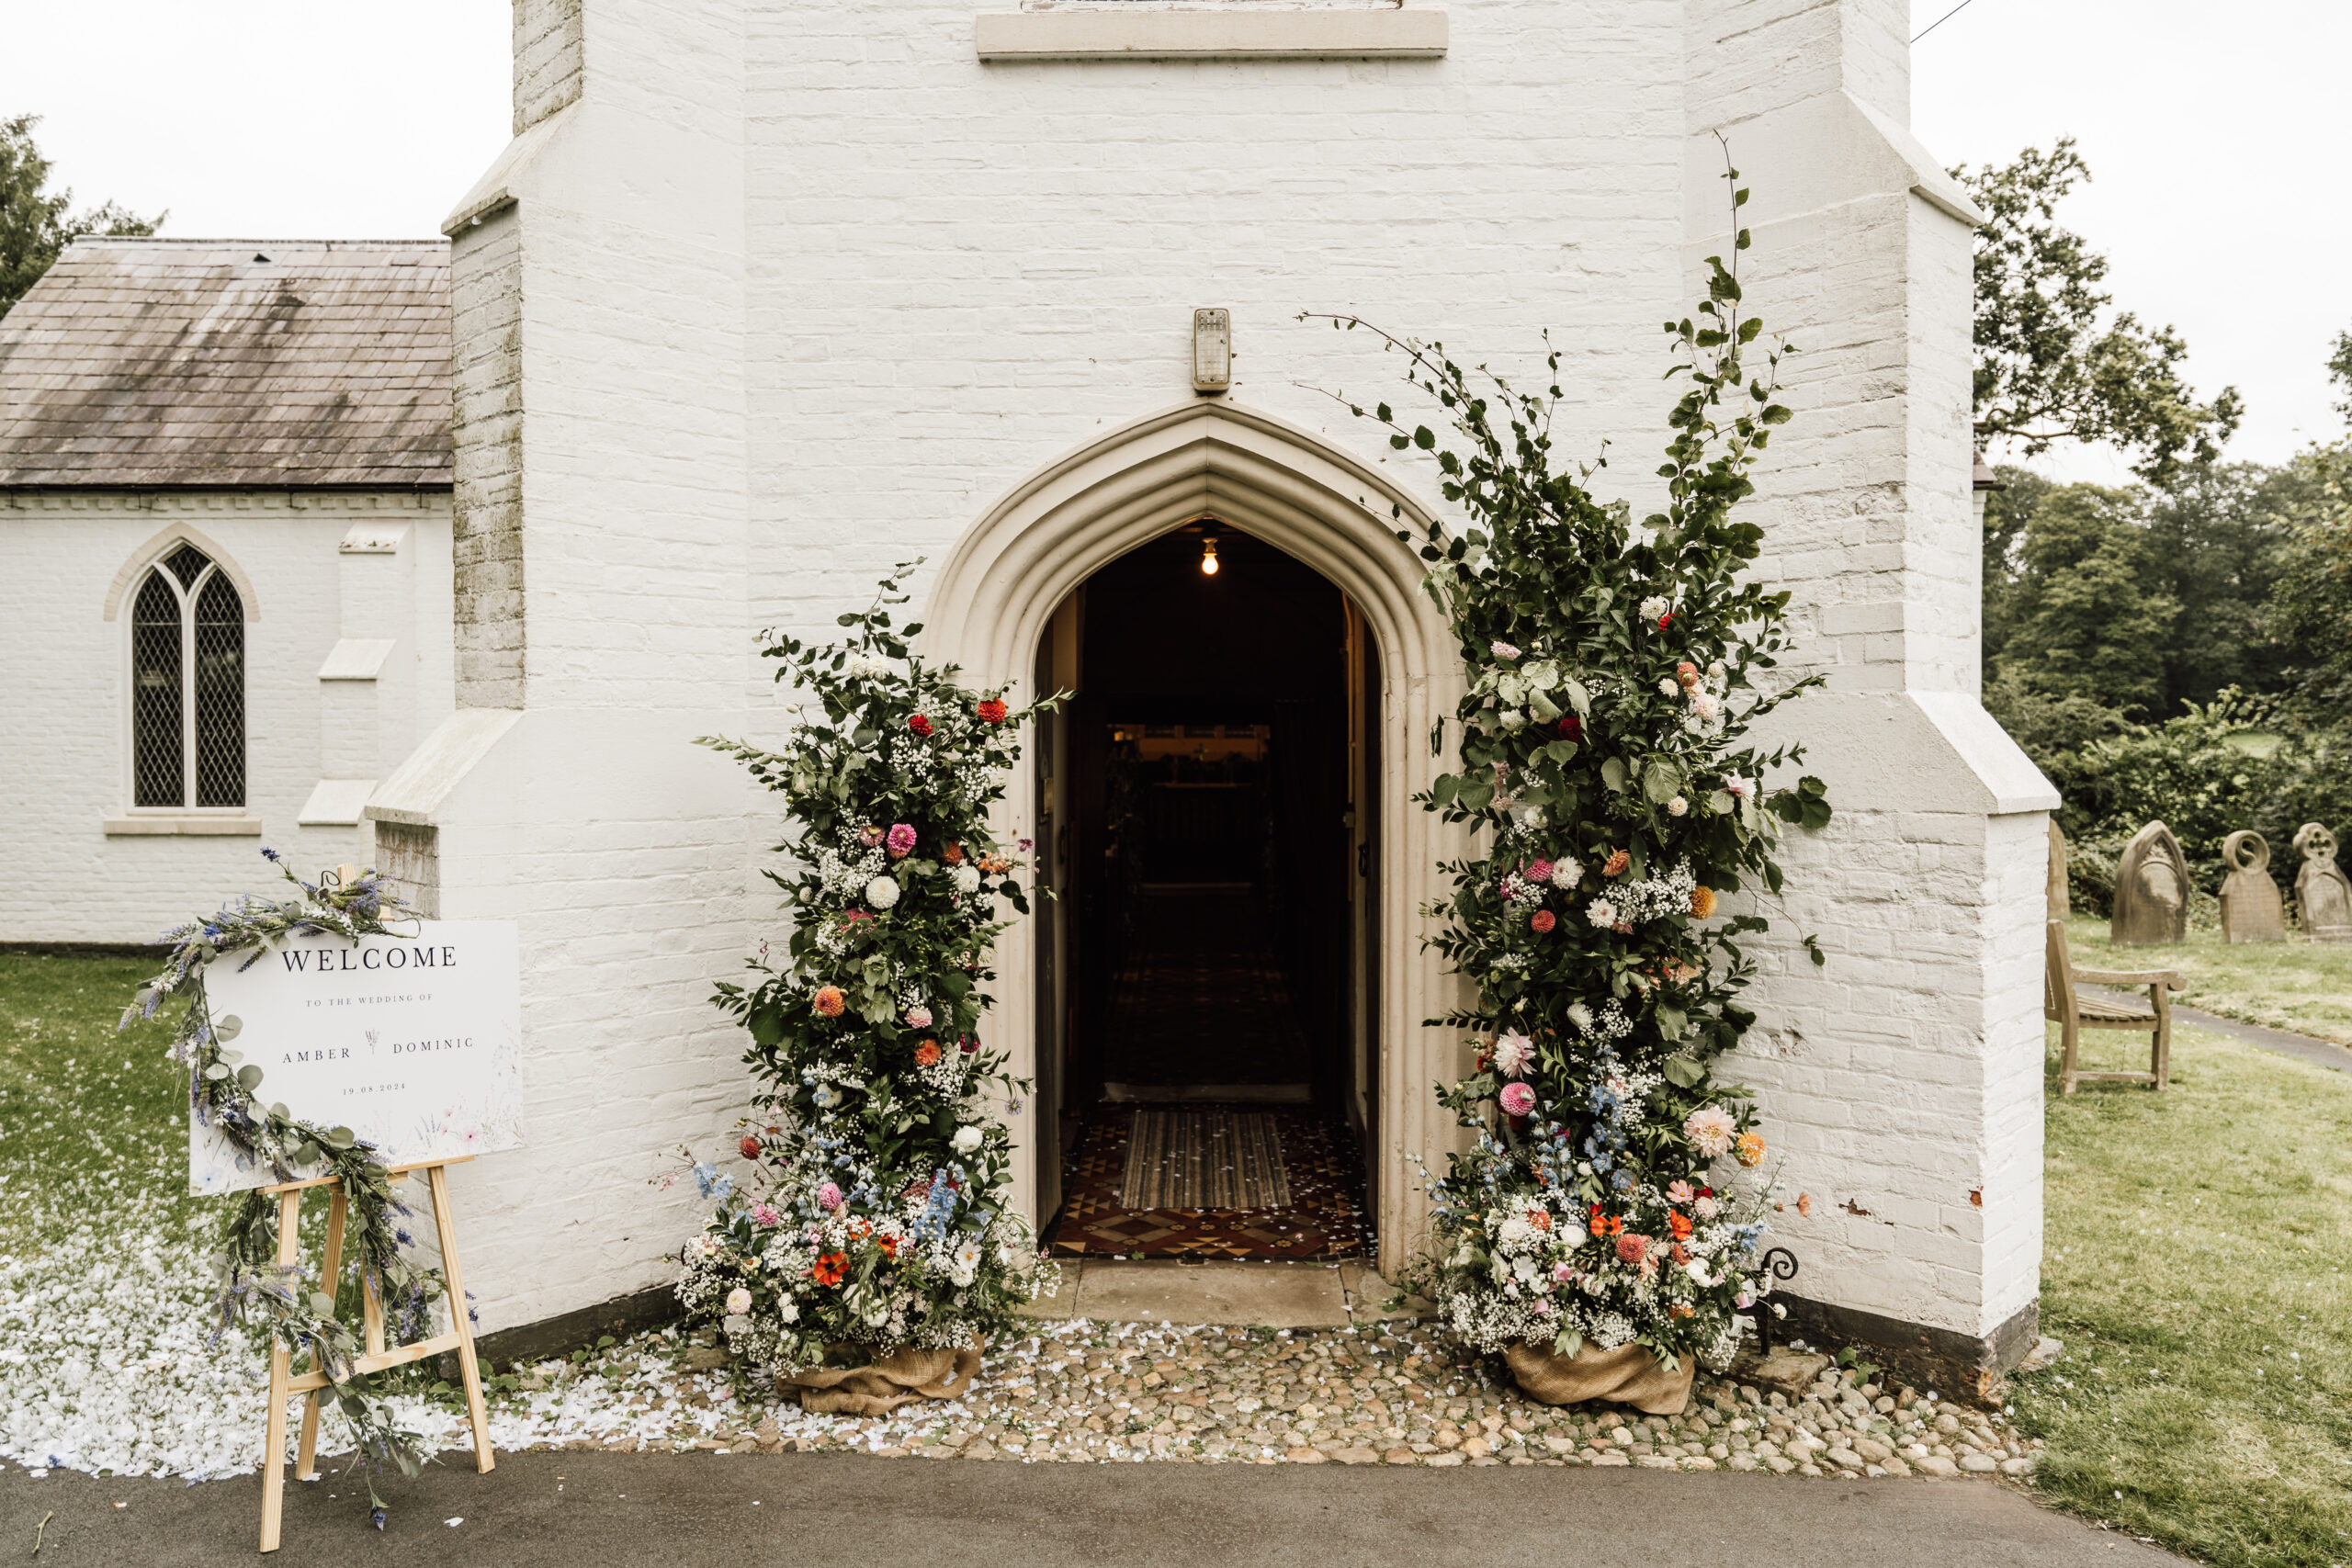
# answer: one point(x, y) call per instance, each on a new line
point(1151, 33)
point(183, 825)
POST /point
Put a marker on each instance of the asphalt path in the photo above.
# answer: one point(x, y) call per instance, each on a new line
point(607, 1510)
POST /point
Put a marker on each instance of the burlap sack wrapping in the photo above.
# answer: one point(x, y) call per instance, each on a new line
point(1630, 1374)
point(879, 1387)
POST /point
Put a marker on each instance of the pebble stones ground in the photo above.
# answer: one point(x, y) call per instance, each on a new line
point(1092, 1393)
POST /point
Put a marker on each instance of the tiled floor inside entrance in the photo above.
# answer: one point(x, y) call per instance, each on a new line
point(1325, 1221)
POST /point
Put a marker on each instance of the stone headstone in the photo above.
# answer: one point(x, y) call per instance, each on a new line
point(2151, 891)
point(2061, 903)
point(2251, 908)
point(2323, 898)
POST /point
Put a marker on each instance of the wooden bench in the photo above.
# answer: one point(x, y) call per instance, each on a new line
point(2062, 1001)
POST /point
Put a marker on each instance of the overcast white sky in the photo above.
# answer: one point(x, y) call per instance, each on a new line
point(2214, 132)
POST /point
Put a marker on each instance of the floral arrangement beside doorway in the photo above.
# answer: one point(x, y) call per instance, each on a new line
point(870, 1219)
point(1607, 1217)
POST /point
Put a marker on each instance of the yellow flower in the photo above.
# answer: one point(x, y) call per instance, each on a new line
point(1702, 903)
point(1749, 1150)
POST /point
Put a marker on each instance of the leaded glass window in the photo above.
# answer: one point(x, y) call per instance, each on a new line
point(188, 686)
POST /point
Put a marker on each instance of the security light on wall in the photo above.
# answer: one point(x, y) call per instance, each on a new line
point(1208, 556)
point(1212, 351)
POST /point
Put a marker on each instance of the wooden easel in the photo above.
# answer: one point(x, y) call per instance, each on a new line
point(283, 1384)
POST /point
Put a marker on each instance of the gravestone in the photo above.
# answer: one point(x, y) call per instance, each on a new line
point(2060, 903)
point(2251, 908)
point(2151, 891)
point(2323, 898)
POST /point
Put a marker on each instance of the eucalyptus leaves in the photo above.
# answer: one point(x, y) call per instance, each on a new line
point(1613, 673)
point(279, 1304)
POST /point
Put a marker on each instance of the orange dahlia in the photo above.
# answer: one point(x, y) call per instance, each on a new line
point(1616, 864)
point(1702, 903)
point(830, 1002)
point(991, 711)
point(1749, 1150)
point(927, 1053)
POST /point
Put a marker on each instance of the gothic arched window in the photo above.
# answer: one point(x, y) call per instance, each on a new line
point(187, 685)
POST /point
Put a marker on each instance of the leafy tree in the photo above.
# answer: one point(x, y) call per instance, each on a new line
point(34, 222)
point(2217, 541)
point(2082, 619)
point(2310, 610)
point(2050, 365)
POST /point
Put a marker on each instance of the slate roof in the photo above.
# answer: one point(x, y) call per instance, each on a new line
point(230, 364)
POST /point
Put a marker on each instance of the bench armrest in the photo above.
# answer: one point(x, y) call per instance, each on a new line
point(2168, 978)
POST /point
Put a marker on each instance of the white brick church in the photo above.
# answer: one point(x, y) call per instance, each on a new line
point(763, 298)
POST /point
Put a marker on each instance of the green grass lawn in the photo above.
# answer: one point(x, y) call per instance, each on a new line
point(2305, 987)
point(91, 1119)
point(2196, 1265)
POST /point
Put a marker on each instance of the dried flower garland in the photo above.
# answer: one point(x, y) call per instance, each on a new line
point(1612, 674)
point(872, 1217)
point(273, 1303)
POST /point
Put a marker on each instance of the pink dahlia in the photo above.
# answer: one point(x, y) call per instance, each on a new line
point(829, 1197)
point(918, 1018)
point(1517, 1100)
point(1631, 1247)
point(1537, 871)
point(765, 1215)
point(901, 840)
point(1713, 1130)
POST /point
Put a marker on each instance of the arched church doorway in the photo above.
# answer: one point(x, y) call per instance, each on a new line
point(1208, 993)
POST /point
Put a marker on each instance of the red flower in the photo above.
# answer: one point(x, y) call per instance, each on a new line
point(1665, 620)
point(1542, 921)
point(919, 725)
point(991, 711)
point(751, 1147)
point(1570, 727)
point(829, 1269)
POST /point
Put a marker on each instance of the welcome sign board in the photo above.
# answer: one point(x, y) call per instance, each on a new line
point(414, 1043)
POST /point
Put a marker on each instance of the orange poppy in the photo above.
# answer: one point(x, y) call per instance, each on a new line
point(1680, 1225)
point(829, 1269)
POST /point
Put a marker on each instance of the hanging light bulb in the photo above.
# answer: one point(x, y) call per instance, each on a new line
point(1208, 556)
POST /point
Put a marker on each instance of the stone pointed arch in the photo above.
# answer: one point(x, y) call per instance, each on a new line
point(164, 544)
point(999, 585)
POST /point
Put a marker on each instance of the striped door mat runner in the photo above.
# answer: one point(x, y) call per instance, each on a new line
point(1204, 1159)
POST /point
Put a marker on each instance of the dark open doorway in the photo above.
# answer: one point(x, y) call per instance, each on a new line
point(1206, 984)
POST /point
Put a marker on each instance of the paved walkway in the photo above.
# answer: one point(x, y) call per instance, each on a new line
point(2325, 1052)
point(560, 1510)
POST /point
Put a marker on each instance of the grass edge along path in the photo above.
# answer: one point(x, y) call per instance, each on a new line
point(2198, 1264)
point(2301, 987)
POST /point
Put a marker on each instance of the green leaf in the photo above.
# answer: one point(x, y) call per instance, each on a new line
point(229, 1028)
point(1424, 439)
point(1683, 1072)
point(1612, 774)
point(217, 1071)
point(1775, 413)
point(249, 1077)
point(1660, 779)
point(1671, 1021)
point(954, 981)
point(1442, 792)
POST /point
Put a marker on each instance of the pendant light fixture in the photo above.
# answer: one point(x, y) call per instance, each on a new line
point(1208, 555)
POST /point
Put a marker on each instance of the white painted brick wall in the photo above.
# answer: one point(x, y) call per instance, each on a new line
point(800, 291)
point(64, 730)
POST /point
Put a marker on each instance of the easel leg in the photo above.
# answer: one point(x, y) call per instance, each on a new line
point(273, 1450)
point(460, 1319)
point(330, 1267)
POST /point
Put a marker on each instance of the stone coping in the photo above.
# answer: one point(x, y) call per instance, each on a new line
point(1140, 32)
point(1224, 1293)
